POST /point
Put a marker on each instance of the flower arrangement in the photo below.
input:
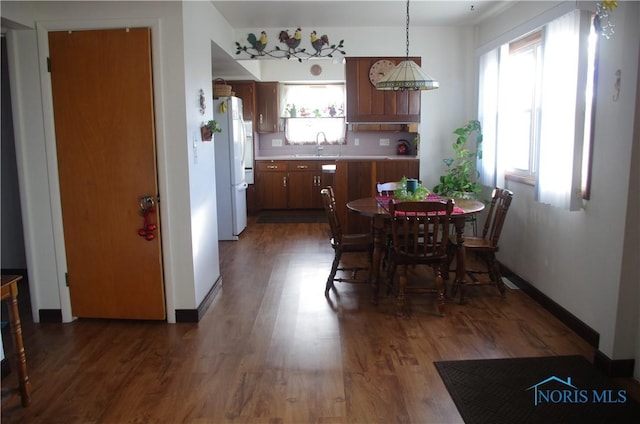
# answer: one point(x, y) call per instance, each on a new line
point(401, 193)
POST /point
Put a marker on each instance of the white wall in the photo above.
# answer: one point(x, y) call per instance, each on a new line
point(198, 33)
point(576, 258)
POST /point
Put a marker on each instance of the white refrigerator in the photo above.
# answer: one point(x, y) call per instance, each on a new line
point(231, 187)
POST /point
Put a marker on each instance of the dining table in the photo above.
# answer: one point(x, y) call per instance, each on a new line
point(376, 208)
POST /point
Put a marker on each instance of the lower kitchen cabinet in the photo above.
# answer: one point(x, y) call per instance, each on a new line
point(271, 180)
point(294, 184)
point(305, 180)
point(289, 184)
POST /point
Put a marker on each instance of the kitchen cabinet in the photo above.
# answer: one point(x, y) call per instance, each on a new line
point(394, 170)
point(355, 179)
point(271, 179)
point(246, 90)
point(267, 107)
point(365, 104)
point(290, 184)
point(305, 180)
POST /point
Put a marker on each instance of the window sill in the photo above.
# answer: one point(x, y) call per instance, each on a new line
point(522, 179)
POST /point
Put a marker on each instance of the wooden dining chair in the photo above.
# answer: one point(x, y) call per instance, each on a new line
point(485, 247)
point(420, 236)
point(344, 243)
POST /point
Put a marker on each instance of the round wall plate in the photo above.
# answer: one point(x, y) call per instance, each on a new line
point(315, 70)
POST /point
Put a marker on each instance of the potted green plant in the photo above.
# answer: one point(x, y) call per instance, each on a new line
point(208, 129)
point(460, 181)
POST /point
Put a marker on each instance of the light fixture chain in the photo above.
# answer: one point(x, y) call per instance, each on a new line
point(407, 29)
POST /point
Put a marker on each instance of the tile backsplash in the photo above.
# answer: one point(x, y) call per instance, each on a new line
point(358, 144)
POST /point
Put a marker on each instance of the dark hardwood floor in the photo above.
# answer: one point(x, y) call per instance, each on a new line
point(272, 349)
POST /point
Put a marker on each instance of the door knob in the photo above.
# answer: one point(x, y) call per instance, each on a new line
point(147, 208)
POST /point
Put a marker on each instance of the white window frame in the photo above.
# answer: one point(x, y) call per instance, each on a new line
point(319, 113)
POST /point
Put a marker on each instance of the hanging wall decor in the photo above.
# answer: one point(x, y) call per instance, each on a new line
point(602, 19)
point(320, 47)
point(202, 102)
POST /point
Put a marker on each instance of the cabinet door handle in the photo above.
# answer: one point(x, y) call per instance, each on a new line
point(302, 167)
point(272, 166)
point(260, 118)
point(284, 181)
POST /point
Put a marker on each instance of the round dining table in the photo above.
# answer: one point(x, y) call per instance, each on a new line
point(373, 208)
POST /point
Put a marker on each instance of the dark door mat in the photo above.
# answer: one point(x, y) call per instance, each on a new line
point(555, 389)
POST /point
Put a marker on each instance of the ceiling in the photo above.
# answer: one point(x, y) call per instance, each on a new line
point(318, 13)
point(288, 14)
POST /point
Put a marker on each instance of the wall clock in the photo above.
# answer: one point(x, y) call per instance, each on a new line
point(378, 69)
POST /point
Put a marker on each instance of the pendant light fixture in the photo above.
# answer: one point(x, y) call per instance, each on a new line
point(407, 75)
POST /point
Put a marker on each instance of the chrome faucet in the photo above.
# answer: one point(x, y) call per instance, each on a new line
point(319, 148)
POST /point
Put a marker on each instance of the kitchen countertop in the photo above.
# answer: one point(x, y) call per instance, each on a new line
point(334, 157)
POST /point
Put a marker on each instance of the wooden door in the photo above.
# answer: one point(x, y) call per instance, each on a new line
point(105, 140)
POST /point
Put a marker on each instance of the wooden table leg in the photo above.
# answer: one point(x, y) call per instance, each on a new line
point(459, 283)
point(377, 224)
point(10, 293)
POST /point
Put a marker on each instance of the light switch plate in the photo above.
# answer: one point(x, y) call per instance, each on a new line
point(276, 142)
point(384, 141)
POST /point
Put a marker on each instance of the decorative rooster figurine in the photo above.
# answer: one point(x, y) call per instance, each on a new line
point(291, 42)
point(317, 43)
point(258, 43)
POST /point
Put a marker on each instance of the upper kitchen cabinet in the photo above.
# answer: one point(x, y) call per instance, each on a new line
point(267, 107)
point(246, 90)
point(366, 104)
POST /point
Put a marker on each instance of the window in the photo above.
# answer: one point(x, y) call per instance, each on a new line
point(313, 113)
point(523, 78)
point(535, 103)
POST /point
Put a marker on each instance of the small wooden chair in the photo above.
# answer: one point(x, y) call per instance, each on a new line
point(388, 188)
point(344, 243)
point(485, 247)
point(410, 222)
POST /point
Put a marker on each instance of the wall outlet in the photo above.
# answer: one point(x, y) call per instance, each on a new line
point(356, 142)
point(276, 142)
point(384, 141)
